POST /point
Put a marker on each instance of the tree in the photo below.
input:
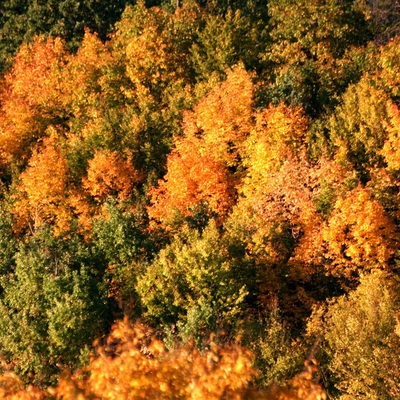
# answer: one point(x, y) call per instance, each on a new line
point(42, 197)
point(110, 175)
point(51, 307)
point(83, 88)
point(328, 180)
point(120, 237)
point(359, 236)
point(357, 126)
point(149, 83)
point(30, 106)
point(274, 204)
point(390, 148)
point(226, 40)
point(224, 116)
point(194, 285)
point(360, 332)
point(204, 168)
point(387, 70)
point(20, 21)
point(8, 241)
point(278, 356)
point(195, 183)
point(278, 135)
point(309, 39)
point(155, 46)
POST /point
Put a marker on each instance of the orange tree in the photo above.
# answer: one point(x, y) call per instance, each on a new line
point(204, 168)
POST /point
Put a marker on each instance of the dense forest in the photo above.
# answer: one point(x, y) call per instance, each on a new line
point(200, 199)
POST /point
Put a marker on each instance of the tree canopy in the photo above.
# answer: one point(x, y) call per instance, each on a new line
point(201, 192)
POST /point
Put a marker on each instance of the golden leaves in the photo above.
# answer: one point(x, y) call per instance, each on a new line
point(359, 235)
point(109, 174)
point(391, 147)
point(277, 137)
point(43, 189)
point(135, 365)
point(224, 116)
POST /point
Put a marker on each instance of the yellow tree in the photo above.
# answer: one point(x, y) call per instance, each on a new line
point(279, 134)
point(391, 148)
point(357, 128)
point(224, 116)
point(388, 67)
point(276, 188)
point(43, 189)
point(359, 236)
point(359, 333)
point(83, 80)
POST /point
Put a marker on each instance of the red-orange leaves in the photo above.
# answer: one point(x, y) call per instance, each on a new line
point(34, 71)
point(110, 174)
point(194, 178)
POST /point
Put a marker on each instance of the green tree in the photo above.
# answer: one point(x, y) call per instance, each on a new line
point(120, 237)
point(278, 355)
point(21, 20)
point(357, 127)
point(8, 242)
point(52, 307)
point(194, 285)
point(226, 40)
point(309, 41)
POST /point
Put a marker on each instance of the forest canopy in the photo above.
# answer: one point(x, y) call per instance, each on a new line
point(205, 193)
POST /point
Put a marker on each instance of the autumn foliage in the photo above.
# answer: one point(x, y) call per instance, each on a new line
point(41, 194)
point(201, 202)
point(29, 106)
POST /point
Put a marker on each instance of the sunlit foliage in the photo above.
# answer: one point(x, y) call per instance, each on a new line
point(360, 334)
point(135, 365)
point(219, 170)
point(359, 236)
